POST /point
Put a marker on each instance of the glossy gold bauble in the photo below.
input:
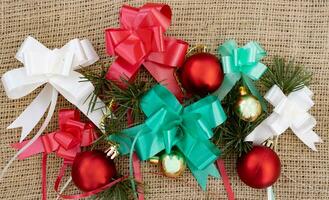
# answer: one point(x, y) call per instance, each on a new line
point(172, 164)
point(247, 107)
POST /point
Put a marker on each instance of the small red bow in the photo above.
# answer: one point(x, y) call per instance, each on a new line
point(140, 40)
point(66, 142)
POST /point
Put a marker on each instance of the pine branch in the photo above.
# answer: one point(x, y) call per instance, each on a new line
point(287, 75)
point(119, 100)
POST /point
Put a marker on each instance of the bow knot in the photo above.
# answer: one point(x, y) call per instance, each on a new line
point(244, 60)
point(241, 62)
point(53, 62)
point(140, 40)
point(67, 141)
point(290, 111)
point(55, 68)
point(169, 124)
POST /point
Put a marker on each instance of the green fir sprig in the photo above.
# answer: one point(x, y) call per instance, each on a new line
point(120, 101)
point(288, 75)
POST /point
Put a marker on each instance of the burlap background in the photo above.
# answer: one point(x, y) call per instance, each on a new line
point(293, 29)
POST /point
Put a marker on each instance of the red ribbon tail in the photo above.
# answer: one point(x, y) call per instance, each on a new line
point(60, 176)
point(44, 176)
point(121, 71)
point(226, 180)
point(165, 75)
point(138, 175)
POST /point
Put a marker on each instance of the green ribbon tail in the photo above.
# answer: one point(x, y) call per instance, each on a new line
point(251, 86)
point(125, 138)
point(131, 168)
point(229, 81)
point(202, 175)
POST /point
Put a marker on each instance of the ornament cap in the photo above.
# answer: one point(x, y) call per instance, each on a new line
point(243, 90)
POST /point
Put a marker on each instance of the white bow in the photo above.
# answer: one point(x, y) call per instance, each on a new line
point(55, 68)
point(291, 111)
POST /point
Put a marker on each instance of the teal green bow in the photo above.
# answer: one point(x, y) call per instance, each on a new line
point(169, 124)
point(241, 62)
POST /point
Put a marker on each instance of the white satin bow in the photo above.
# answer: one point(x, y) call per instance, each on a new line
point(290, 111)
point(55, 68)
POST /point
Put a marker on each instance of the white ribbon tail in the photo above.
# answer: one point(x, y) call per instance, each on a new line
point(270, 193)
point(79, 92)
point(261, 133)
point(30, 117)
point(305, 133)
point(40, 131)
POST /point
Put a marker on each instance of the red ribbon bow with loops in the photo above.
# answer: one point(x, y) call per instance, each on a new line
point(66, 142)
point(140, 40)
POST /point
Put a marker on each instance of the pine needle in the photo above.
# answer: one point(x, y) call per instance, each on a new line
point(287, 75)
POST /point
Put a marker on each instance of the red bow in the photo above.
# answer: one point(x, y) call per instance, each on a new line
point(66, 142)
point(140, 40)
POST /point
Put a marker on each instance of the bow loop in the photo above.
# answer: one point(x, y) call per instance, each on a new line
point(67, 114)
point(48, 63)
point(154, 15)
point(89, 135)
point(157, 98)
point(67, 140)
point(49, 144)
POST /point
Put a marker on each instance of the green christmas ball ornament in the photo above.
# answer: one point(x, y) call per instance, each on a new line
point(172, 164)
point(247, 107)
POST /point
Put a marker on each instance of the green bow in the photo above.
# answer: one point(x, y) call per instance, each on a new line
point(169, 124)
point(241, 62)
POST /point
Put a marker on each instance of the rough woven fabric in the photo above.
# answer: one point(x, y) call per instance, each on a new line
point(297, 29)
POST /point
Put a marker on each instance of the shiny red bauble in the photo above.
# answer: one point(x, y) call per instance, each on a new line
point(92, 170)
point(259, 168)
point(201, 74)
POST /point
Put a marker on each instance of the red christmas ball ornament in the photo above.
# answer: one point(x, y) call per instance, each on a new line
point(92, 170)
point(259, 168)
point(201, 74)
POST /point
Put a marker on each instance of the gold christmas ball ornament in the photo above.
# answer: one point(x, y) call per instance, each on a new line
point(172, 164)
point(247, 107)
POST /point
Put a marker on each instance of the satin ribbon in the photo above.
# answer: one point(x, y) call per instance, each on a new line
point(140, 40)
point(66, 142)
point(169, 124)
point(221, 167)
point(241, 62)
point(290, 111)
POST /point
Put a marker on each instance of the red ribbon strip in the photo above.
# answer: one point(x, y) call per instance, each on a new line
point(66, 142)
point(140, 40)
point(226, 180)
